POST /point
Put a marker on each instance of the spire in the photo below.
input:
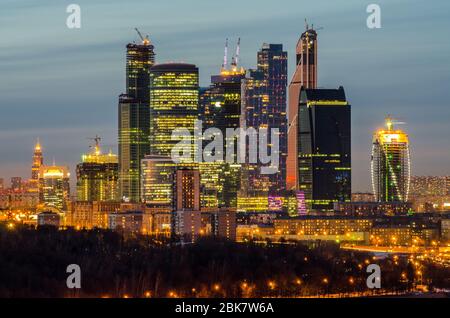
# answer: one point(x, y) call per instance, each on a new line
point(37, 147)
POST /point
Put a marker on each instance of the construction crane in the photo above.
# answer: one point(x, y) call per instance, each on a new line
point(235, 61)
point(225, 56)
point(146, 40)
point(96, 139)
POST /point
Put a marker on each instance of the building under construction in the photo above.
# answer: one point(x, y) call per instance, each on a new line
point(390, 166)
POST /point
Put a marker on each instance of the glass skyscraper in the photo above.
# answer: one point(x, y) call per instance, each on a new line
point(305, 75)
point(174, 99)
point(134, 118)
point(324, 148)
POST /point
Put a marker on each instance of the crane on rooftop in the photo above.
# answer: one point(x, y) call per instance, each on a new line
point(146, 40)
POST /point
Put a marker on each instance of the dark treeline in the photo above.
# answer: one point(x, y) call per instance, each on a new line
point(33, 263)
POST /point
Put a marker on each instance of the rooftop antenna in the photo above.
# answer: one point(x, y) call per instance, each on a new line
point(306, 24)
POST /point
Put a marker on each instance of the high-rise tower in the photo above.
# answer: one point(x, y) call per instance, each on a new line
point(134, 118)
point(324, 148)
point(38, 161)
point(97, 176)
point(174, 90)
point(390, 164)
point(265, 105)
point(305, 75)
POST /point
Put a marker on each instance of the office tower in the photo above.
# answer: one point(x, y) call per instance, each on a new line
point(97, 176)
point(54, 190)
point(390, 164)
point(226, 92)
point(134, 118)
point(157, 181)
point(173, 104)
point(255, 104)
point(38, 161)
point(324, 149)
point(186, 221)
point(305, 75)
point(2, 184)
point(272, 62)
point(16, 183)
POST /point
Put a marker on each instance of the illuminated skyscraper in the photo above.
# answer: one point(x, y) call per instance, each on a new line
point(255, 104)
point(324, 148)
point(264, 106)
point(38, 161)
point(390, 165)
point(305, 75)
point(157, 181)
point(134, 118)
point(272, 62)
point(174, 102)
point(54, 190)
point(97, 176)
point(226, 92)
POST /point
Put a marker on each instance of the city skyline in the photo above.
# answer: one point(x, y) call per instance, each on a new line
point(81, 53)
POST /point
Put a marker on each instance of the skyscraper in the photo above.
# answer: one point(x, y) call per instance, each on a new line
point(305, 75)
point(134, 118)
point(54, 190)
point(226, 89)
point(324, 148)
point(264, 106)
point(174, 99)
point(273, 63)
point(390, 164)
point(157, 181)
point(38, 161)
point(97, 176)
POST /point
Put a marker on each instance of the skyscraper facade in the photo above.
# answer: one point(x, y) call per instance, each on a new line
point(305, 75)
point(390, 164)
point(273, 62)
point(97, 176)
point(255, 104)
point(157, 181)
point(54, 189)
point(134, 118)
point(324, 148)
point(174, 99)
point(226, 89)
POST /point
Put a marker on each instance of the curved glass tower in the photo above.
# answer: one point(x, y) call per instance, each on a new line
point(390, 165)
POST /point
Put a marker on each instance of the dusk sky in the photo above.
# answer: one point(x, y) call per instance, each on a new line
point(62, 85)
